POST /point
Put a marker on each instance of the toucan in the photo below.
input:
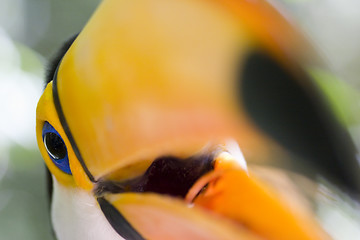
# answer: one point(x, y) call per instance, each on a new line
point(157, 118)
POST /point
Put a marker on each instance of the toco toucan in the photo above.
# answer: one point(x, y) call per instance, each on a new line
point(153, 114)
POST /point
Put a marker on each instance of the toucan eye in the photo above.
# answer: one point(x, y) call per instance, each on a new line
point(56, 147)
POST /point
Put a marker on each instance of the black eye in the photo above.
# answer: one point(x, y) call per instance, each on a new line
point(56, 148)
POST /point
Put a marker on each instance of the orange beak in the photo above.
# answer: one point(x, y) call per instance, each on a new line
point(148, 79)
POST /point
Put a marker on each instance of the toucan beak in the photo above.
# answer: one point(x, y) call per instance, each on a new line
point(226, 203)
point(147, 92)
point(144, 87)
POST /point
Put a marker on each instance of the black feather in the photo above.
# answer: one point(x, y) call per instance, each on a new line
point(54, 62)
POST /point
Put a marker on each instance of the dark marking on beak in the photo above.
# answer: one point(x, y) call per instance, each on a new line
point(118, 222)
point(166, 175)
point(291, 109)
point(66, 127)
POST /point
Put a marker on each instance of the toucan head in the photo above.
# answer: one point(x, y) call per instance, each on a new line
point(150, 114)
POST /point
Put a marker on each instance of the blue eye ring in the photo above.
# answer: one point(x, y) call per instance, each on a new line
point(56, 148)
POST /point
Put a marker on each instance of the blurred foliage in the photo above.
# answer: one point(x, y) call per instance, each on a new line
point(343, 99)
point(24, 202)
point(30, 63)
point(66, 18)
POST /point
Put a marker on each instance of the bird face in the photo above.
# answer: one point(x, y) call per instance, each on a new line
point(141, 124)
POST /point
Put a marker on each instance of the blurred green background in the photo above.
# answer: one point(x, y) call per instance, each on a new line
point(30, 33)
point(32, 30)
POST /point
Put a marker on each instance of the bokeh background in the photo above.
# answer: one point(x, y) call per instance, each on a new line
point(32, 30)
